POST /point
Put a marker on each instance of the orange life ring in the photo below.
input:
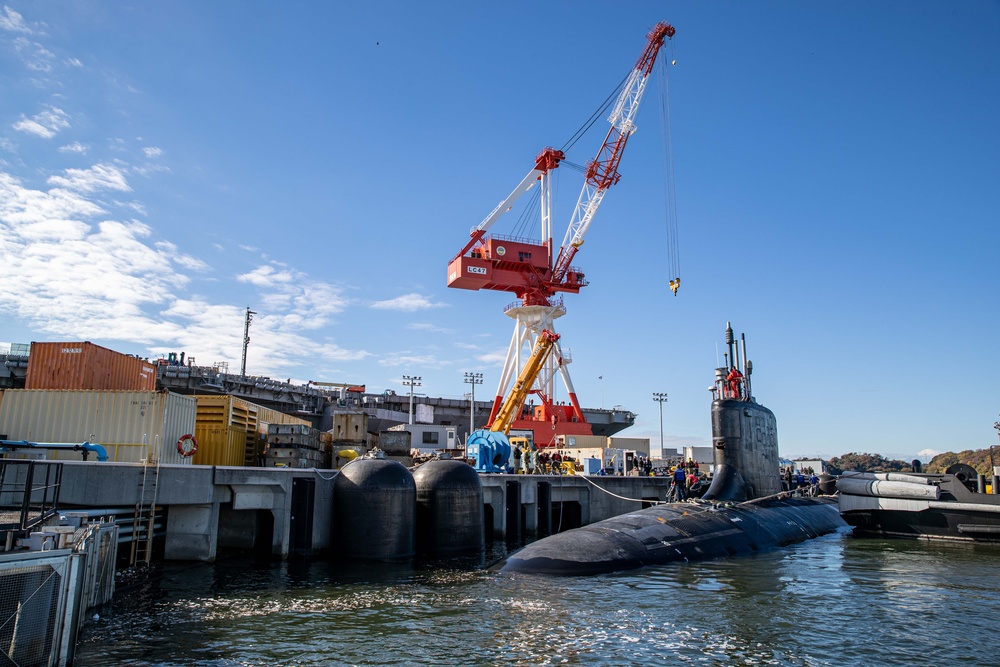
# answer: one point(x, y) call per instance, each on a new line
point(187, 445)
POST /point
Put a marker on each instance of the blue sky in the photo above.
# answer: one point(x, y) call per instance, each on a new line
point(163, 165)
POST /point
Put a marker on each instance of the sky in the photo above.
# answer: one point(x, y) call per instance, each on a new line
point(165, 165)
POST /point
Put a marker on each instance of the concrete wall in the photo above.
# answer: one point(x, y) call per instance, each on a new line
point(213, 506)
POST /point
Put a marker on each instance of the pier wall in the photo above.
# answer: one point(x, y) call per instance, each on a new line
point(289, 511)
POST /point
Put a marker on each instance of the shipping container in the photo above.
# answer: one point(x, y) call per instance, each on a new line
point(638, 444)
point(582, 441)
point(130, 425)
point(86, 366)
point(220, 445)
point(216, 411)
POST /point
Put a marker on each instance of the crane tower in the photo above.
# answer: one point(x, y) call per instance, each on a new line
point(537, 272)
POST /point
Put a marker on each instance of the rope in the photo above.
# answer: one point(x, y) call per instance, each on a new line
point(634, 500)
point(669, 185)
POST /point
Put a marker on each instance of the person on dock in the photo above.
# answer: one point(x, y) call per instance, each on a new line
point(517, 458)
point(680, 483)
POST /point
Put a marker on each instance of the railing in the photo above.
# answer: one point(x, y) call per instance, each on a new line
point(29, 494)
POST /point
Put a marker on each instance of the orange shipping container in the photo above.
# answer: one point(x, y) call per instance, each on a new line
point(86, 366)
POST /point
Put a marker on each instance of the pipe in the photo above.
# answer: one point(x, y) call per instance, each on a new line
point(86, 447)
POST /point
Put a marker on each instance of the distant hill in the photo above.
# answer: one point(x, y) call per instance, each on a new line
point(866, 463)
point(977, 458)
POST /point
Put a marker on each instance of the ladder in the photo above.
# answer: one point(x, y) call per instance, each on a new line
point(145, 508)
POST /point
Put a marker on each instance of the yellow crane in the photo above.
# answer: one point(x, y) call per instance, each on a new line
point(490, 447)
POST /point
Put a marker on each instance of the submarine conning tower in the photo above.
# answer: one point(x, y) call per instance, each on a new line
point(744, 433)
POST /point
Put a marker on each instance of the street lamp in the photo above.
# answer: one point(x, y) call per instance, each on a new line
point(411, 382)
point(473, 379)
point(661, 398)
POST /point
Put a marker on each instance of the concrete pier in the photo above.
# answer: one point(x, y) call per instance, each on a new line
point(289, 511)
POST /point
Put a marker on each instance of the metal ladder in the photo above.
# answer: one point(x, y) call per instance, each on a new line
point(145, 509)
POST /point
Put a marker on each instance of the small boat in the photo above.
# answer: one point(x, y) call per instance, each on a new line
point(948, 506)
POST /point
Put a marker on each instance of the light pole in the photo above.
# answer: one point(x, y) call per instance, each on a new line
point(473, 379)
point(660, 398)
point(411, 382)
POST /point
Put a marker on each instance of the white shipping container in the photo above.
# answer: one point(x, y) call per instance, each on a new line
point(126, 423)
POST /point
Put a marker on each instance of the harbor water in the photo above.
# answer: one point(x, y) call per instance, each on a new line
point(836, 600)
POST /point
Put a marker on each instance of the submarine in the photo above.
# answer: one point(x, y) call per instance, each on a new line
point(745, 510)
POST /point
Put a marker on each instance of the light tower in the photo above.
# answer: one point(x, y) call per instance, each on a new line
point(660, 398)
point(473, 379)
point(411, 381)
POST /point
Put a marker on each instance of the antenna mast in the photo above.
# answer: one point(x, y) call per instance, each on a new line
point(246, 341)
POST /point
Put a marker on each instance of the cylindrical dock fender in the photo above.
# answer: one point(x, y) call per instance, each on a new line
point(858, 486)
point(449, 509)
point(374, 511)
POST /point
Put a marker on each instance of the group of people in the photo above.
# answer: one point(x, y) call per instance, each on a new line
point(804, 482)
point(529, 461)
point(687, 481)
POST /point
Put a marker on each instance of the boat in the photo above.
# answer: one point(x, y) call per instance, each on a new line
point(744, 511)
point(948, 506)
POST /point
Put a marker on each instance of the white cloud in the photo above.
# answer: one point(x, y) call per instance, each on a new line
point(74, 62)
point(71, 272)
point(426, 326)
point(494, 358)
point(408, 302)
point(413, 360)
point(266, 276)
point(14, 22)
point(45, 124)
point(152, 151)
point(75, 147)
point(101, 176)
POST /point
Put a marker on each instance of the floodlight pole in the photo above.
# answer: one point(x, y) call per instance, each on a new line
point(660, 398)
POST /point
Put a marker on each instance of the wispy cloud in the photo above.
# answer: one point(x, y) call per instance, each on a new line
point(99, 177)
point(14, 22)
point(408, 302)
point(410, 359)
point(75, 147)
point(266, 276)
point(45, 124)
point(426, 326)
point(71, 271)
point(152, 151)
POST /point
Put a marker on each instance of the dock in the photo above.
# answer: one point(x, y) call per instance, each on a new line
point(289, 511)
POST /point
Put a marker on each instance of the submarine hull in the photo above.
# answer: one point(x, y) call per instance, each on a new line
point(678, 532)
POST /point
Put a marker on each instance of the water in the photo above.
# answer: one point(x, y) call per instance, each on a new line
point(836, 600)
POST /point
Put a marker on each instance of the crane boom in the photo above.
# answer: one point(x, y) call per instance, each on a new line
point(512, 405)
point(602, 171)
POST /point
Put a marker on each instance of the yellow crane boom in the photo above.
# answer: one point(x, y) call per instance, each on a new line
point(514, 401)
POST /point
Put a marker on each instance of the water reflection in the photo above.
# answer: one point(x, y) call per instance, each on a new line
point(831, 601)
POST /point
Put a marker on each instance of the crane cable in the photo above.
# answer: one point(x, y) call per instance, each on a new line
point(601, 110)
point(670, 193)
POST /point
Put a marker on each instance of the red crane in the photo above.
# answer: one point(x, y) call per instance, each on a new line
point(532, 271)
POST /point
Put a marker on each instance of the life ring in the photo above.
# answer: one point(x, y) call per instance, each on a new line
point(187, 445)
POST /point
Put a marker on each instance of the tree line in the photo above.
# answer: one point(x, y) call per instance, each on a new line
point(980, 459)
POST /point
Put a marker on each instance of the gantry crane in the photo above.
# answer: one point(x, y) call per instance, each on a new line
point(535, 271)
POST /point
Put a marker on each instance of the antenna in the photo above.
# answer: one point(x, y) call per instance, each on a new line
point(246, 341)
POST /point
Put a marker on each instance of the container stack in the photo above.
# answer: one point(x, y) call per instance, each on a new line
point(295, 446)
point(348, 438)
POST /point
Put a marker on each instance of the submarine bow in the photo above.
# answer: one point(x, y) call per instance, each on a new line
point(677, 532)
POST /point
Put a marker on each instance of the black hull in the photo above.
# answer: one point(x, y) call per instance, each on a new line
point(929, 524)
point(677, 532)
